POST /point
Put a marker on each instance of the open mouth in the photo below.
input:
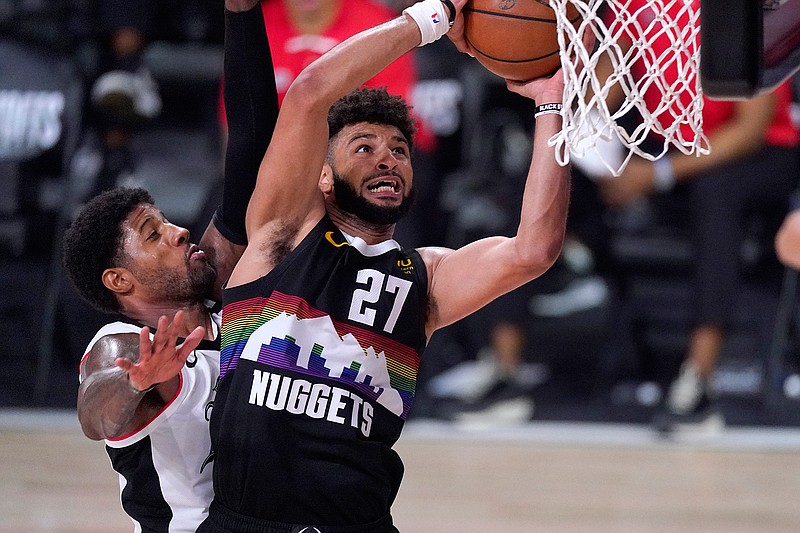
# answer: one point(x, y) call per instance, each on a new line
point(385, 185)
point(195, 252)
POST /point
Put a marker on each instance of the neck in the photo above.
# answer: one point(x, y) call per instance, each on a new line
point(352, 225)
point(193, 316)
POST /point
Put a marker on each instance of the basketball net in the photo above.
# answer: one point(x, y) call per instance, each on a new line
point(673, 115)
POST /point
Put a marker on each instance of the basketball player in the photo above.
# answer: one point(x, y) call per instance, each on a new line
point(325, 316)
point(141, 389)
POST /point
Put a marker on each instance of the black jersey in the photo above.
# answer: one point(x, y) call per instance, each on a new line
point(318, 369)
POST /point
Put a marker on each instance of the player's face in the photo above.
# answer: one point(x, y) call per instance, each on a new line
point(372, 172)
point(163, 260)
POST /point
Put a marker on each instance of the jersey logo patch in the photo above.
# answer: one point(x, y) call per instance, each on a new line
point(329, 238)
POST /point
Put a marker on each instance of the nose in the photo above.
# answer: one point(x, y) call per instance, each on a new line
point(179, 236)
point(386, 160)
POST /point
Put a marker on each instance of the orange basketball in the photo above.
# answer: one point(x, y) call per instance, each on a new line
point(515, 39)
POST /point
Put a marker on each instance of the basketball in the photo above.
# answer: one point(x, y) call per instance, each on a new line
point(515, 39)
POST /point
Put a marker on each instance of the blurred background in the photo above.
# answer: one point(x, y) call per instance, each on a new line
point(91, 99)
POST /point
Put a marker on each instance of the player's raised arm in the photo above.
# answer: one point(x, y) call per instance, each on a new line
point(466, 279)
point(251, 109)
point(287, 199)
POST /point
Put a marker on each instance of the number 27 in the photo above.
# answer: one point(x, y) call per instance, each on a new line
point(360, 311)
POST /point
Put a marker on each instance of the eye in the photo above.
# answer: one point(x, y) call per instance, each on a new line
point(400, 150)
point(153, 235)
point(363, 149)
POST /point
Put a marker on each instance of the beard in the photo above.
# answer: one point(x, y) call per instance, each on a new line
point(182, 290)
point(348, 200)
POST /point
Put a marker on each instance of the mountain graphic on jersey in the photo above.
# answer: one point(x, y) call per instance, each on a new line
point(285, 332)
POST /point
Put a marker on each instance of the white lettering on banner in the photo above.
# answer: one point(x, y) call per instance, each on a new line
point(437, 102)
point(317, 400)
point(317, 337)
point(30, 122)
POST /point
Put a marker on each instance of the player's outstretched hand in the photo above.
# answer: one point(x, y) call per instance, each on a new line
point(541, 90)
point(160, 359)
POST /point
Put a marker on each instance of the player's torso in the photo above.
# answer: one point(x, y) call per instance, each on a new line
point(318, 370)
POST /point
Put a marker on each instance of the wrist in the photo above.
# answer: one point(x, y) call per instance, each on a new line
point(451, 12)
point(432, 18)
point(138, 390)
point(553, 108)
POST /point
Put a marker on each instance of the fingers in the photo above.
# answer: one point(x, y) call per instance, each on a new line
point(125, 364)
point(456, 33)
point(144, 342)
point(191, 342)
point(166, 335)
point(160, 358)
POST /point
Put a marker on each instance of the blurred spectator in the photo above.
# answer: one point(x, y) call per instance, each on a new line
point(124, 95)
point(752, 169)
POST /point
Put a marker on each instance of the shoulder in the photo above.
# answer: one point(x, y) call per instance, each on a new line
point(431, 255)
point(118, 339)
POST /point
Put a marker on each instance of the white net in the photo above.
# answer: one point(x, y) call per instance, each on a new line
point(638, 85)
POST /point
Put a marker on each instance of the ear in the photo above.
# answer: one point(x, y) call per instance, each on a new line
point(118, 280)
point(326, 179)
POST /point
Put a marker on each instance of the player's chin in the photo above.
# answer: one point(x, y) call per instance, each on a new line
point(202, 269)
point(385, 199)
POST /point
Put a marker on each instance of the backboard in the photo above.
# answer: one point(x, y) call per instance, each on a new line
point(748, 47)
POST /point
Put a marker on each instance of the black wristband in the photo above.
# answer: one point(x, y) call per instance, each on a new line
point(546, 109)
point(451, 11)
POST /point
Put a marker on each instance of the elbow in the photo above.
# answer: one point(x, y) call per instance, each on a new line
point(541, 256)
point(89, 429)
point(91, 423)
point(309, 90)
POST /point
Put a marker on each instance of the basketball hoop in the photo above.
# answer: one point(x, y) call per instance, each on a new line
point(657, 85)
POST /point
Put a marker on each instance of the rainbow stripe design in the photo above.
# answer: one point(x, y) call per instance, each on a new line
point(307, 355)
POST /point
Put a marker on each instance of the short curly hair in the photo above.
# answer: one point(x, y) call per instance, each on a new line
point(375, 106)
point(93, 243)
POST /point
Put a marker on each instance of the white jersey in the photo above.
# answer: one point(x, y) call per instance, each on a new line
point(165, 481)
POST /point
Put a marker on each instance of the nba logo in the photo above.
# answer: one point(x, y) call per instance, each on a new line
point(434, 19)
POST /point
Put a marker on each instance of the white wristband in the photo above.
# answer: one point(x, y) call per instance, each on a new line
point(431, 17)
point(663, 175)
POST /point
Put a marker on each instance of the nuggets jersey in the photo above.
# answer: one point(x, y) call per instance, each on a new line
point(318, 369)
point(165, 483)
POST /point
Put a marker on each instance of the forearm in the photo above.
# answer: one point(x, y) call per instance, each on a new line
point(354, 61)
point(251, 104)
point(545, 200)
point(728, 145)
point(107, 404)
point(743, 134)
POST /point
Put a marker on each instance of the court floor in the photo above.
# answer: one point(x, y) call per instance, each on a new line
point(549, 477)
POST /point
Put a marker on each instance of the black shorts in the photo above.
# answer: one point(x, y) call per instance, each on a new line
point(223, 520)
